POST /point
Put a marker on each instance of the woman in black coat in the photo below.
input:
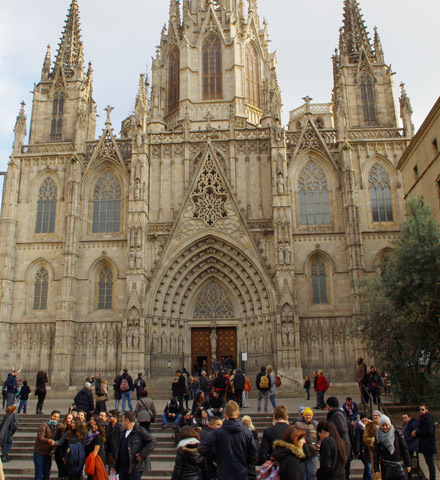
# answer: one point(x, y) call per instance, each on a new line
point(190, 465)
point(290, 454)
point(390, 452)
point(332, 458)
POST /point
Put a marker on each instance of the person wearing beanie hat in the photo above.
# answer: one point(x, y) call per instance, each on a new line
point(309, 425)
point(337, 416)
point(390, 452)
point(332, 402)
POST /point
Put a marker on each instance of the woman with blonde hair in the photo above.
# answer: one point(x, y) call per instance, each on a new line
point(273, 391)
point(247, 422)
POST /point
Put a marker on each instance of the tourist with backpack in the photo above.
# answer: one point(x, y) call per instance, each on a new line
point(84, 400)
point(126, 389)
point(274, 382)
point(263, 386)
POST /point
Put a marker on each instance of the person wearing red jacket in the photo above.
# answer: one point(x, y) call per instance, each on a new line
point(321, 388)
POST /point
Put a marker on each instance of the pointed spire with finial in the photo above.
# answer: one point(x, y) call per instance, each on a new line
point(70, 51)
point(20, 129)
point(378, 47)
point(355, 35)
point(46, 65)
point(141, 98)
point(406, 112)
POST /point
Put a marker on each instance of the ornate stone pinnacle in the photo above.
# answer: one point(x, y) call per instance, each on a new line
point(108, 109)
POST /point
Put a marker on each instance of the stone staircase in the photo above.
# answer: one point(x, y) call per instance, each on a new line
point(21, 467)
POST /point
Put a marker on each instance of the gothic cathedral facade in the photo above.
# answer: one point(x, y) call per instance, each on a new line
point(204, 228)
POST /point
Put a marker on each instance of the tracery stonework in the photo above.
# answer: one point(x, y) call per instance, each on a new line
point(203, 212)
point(209, 196)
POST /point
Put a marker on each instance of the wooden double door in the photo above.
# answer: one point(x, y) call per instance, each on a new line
point(201, 348)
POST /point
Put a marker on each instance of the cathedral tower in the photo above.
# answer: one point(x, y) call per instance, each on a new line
point(63, 109)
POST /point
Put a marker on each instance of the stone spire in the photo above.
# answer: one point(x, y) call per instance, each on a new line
point(406, 112)
point(378, 50)
point(354, 34)
point(46, 65)
point(20, 129)
point(70, 51)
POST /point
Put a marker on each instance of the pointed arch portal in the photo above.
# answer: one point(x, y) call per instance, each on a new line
point(214, 292)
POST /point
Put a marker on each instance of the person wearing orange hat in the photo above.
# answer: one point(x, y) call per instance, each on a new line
point(309, 425)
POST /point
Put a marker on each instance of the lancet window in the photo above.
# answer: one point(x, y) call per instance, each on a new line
point(313, 196)
point(46, 207)
point(56, 125)
point(380, 194)
point(107, 204)
point(213, 303)
point(319, 283)
point(41, 289)
point(212, 68)
point(174, 79)
point(105, 289)
point(367, 95)
point(252, 76)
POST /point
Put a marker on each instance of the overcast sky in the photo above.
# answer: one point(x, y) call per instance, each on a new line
point(120, 37)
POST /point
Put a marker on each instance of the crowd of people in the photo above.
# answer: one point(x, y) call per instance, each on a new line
point(211, 440)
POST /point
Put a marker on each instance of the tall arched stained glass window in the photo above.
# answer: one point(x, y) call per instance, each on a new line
point(107, 204)
point(41, 289)
point(46, 207)
point(367, 95)
point(212, 68)
point(252, 76)
point(173, 79)
point(380, 194)
point(313, 195)
point(105, 289)
point(319, 283)
point(56, 125)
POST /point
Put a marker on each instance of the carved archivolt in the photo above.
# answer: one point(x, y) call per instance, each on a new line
point(208, 260)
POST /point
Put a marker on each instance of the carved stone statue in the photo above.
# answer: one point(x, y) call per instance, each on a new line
point(213, 338)
point(137, 189)
point(252, 342)
point(139, 258)
point(132, 259)
point(154, 342)
point(129, 338)
point(172, 343)
point(136, 339)
point(280, 183)
point(287, 253)
point(180, 343)
point(280, 253)
point(164, 348)
point(291, 336)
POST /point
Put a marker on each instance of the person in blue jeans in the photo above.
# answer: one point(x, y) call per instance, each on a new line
point(171, 414)
point(23, 396)
point(43, 446)
point(125, 385)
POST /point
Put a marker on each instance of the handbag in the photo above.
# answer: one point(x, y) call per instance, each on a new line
point(149, 411)
point(393, 470)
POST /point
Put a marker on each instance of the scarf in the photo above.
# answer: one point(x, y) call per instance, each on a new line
point(91, 437)
point(386, 439)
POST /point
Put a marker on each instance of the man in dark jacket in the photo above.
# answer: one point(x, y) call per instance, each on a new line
point(84, 400)
point(113, 433)
point(11, 388)
point(262, 391)
point(139, 385)
point(216, 405)
point(179, 387)
point(239, 382)
point(409, 425)
point(361, 378)
point(172, 413)
point(337, 416)
point(276, 432)
point(425, 432)
point(232, 446)
point(203, 382)
point(133, 455)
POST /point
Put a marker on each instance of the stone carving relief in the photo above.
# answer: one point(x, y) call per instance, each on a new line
point(132, 336)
